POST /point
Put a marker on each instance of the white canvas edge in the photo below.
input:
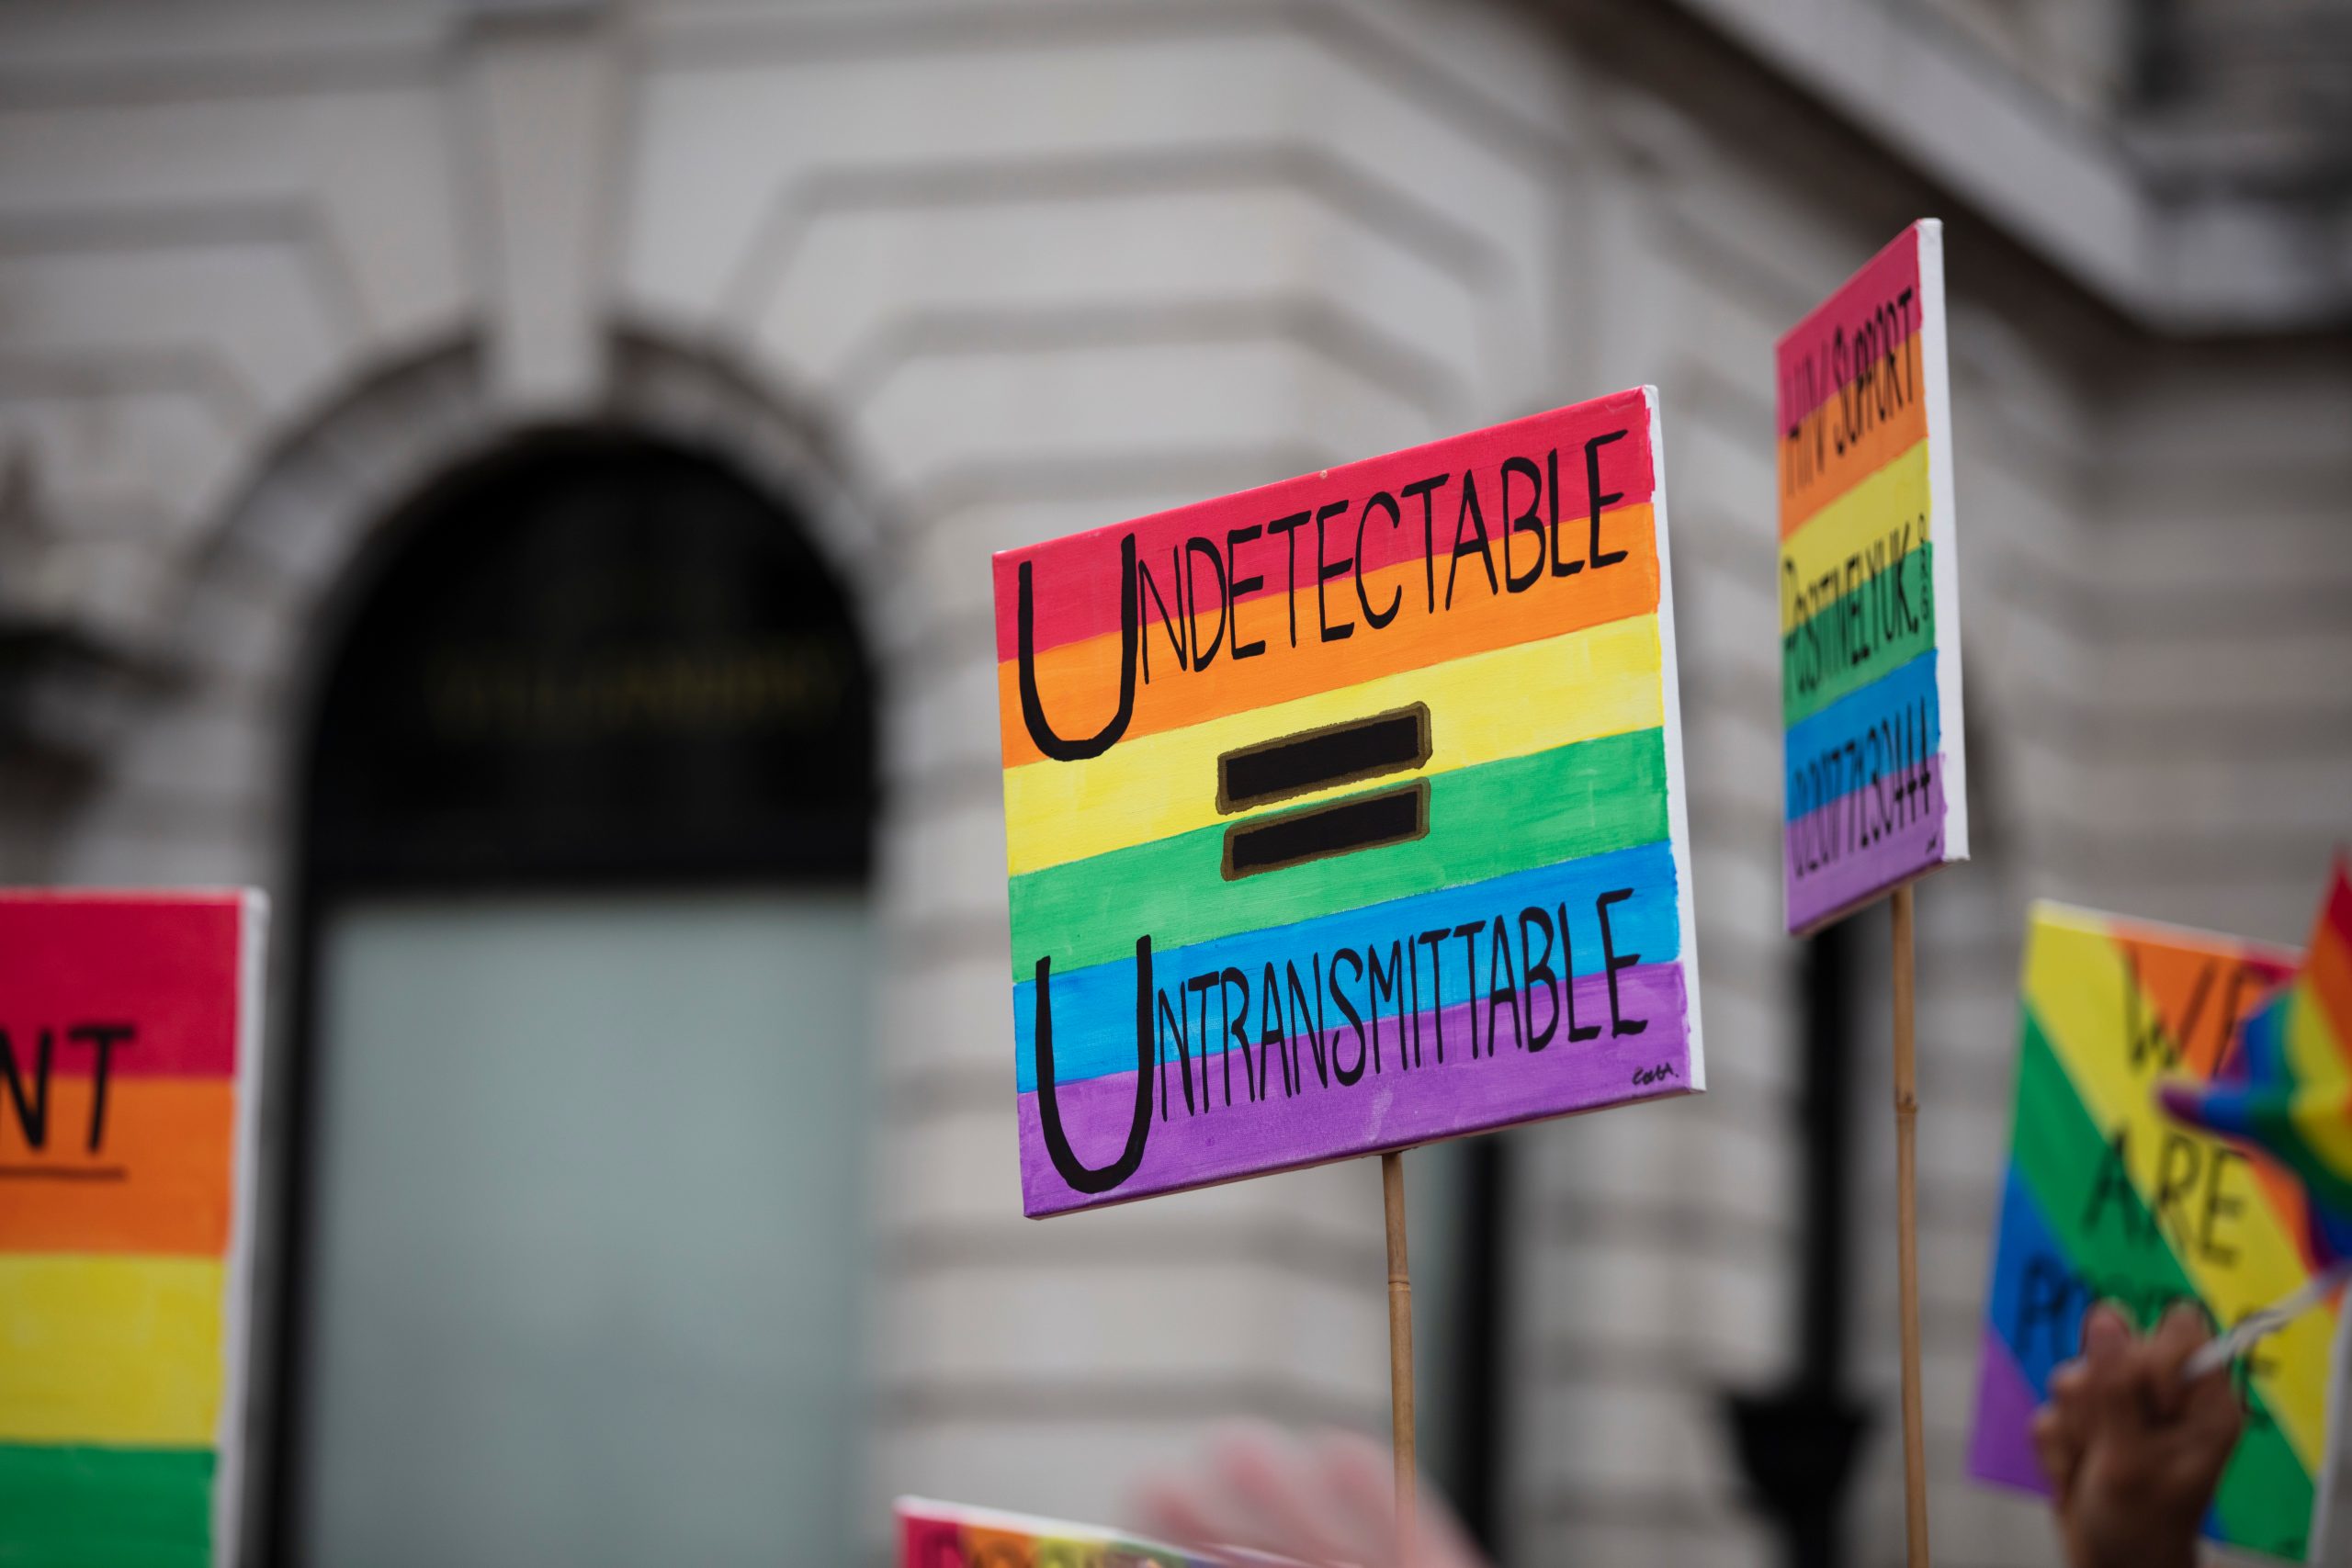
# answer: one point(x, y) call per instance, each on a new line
point(229, 1436)
point(1935, 356)
point(1678, 804)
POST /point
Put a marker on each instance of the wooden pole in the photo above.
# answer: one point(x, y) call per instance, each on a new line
point(1400, 1349)
point(1906, 1208)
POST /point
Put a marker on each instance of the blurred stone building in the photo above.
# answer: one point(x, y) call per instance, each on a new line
point(517, 479)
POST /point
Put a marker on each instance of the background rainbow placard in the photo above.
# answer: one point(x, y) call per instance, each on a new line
point(127, 1106)
point(2108, 1196)
point(1875, 766)
point(1347, 813)
point(945, 1535)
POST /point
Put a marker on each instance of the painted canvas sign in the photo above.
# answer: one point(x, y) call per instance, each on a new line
point(943, 1535)
point(1347, 813)
point(130, 1032)
point(2108, 1196)
point(1876, 769)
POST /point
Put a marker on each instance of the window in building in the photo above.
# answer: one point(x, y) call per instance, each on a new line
point(576, 1230)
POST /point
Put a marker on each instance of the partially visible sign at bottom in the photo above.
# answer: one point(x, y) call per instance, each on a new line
point(129, 1063)
point(943, 1535)
point(2108, 1198)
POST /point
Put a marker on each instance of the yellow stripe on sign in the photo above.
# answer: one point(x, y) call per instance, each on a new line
point(1512, 701)
point(1848, 528)
point(2237, 1253)
point(116, 1349)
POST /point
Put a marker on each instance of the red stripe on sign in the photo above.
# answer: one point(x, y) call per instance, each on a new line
point(1873, 311)
point(88, 967)
point(1270, 534)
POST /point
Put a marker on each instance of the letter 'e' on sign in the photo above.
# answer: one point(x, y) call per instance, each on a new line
point(129, 1073)
point(1347, 813)
point(1876, 776)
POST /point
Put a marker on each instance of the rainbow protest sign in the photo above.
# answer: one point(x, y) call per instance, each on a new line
point(129, 1034)
point(943, 1535)
point(2108, 1196)
point(1347, 813)
point(1877, 773)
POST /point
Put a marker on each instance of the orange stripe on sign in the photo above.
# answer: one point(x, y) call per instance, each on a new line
point(1077, 683)
point(1848, 439)
point(159, 1181)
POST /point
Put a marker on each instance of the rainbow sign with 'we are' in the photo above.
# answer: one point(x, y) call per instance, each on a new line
point(1877, 771)
point(1347, 813)
point(2109, 1198)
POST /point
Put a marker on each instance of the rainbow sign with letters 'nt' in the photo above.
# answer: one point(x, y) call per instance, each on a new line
point(1877, 775)
point(1347, 813)
point(2109, 1198)
point(130, 1036)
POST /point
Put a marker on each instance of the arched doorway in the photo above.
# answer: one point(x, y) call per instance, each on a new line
point(577, 1230)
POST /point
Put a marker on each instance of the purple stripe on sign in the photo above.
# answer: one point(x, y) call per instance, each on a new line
point(1391, 1108)
point(2002, 1449)
point(1864, 842)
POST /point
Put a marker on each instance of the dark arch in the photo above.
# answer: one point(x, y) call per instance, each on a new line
point(590, 659)
point(591, 656)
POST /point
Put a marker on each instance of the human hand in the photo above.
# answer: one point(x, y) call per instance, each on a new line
point(1328, 1500)
point(2133, 1452)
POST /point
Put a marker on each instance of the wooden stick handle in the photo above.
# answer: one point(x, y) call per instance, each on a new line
point(1906, 1209)
point(1400, 1349)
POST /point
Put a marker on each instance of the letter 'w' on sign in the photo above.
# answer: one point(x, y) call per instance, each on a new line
point(129, 1075)
point(1875, 769)
point(1347, 813)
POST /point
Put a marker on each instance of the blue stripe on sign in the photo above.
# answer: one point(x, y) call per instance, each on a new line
point(1873, 730)
point(1094, 1008)
point(2028, 1244)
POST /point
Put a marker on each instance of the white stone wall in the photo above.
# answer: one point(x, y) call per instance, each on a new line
point(967, 275)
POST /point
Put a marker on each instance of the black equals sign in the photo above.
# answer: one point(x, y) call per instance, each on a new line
point(1313, 759)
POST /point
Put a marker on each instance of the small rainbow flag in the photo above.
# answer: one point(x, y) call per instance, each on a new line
point(2108, 1198)
point(1347, 813)
point(2288, 1089)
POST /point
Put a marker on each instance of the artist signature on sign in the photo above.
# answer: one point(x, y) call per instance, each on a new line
point(1653, 1075)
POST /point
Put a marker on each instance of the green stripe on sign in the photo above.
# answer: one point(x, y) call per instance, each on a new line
point(2265, 1499)
point(1847, 645)
point(1486, 821)
point(84, 1507)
